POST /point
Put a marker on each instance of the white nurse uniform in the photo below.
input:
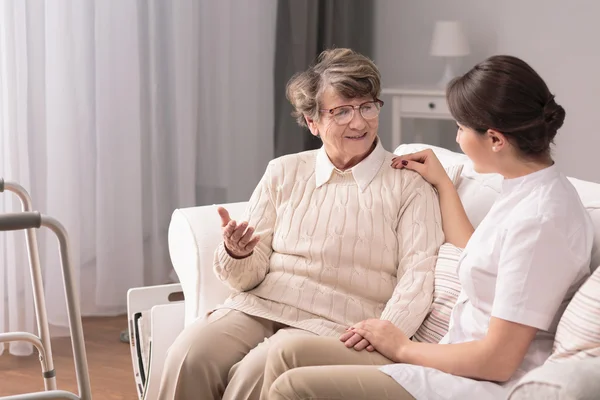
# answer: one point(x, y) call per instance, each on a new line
point(523, 264)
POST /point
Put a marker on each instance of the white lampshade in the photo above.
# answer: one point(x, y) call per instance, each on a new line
point(449, 40)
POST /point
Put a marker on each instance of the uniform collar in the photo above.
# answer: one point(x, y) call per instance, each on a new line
point(544, 174)
point(363, 172)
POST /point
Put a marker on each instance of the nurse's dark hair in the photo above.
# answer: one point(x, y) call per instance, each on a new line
point(505, 94)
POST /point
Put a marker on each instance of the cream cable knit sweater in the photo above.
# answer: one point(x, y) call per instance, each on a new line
point(333, 255)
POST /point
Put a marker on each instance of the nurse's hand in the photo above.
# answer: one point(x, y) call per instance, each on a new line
point(384, 336)
point(426, 164)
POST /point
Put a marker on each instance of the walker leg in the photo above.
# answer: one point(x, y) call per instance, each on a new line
point(28, 220)
point(48, 372)
point(73, 311)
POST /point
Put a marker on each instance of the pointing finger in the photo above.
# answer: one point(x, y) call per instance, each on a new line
point(224, 214)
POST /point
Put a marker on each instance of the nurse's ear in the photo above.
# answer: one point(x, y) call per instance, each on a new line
point(497, 140)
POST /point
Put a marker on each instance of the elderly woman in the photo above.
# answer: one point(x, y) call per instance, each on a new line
point(331, 237)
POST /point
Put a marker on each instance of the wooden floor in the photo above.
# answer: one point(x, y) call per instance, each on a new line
point(109, 363)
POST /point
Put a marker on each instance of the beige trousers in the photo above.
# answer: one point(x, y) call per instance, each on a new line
point(221, 357)
point(302, 368)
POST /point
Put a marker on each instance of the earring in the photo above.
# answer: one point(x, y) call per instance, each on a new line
point(494, 148)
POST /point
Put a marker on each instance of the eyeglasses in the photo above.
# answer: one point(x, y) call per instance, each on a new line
point(342, 115)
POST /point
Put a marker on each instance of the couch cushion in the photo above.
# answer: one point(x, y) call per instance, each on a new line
point(446, 157)
point(578, 332)
point(446, 291)
point(454, 173)
point(573, 379)
point(478, 192)
point(589, 192)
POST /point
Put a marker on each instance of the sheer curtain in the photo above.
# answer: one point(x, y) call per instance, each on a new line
point(112, 114)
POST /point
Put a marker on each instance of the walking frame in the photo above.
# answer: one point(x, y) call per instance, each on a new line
point(29, 221)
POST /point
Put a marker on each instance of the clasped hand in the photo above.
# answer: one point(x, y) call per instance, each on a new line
point(376, 334)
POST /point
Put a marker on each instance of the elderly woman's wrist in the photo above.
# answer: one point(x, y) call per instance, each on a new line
point(236, 256)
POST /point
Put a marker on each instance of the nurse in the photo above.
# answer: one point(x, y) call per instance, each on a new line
point(518, 270)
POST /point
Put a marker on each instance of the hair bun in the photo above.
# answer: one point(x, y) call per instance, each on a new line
point(554, 116)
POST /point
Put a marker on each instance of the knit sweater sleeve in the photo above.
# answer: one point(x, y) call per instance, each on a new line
point(247, 273)
point(419, 235)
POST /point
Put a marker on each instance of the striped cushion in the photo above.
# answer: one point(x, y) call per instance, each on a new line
point(454, 172)
point(578, 332)
point(446, 291)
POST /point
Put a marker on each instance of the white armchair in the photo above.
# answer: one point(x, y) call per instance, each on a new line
point(194, 234)
point(157, 314)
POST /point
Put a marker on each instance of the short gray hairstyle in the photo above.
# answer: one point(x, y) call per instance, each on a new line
point(349, 73)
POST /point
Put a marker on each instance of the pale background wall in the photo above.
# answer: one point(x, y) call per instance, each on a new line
point(560, 39)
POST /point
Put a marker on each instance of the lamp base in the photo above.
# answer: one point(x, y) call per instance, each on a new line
point(449, 74)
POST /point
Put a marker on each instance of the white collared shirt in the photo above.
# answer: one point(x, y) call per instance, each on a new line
point(363, 172)
point(523, 264)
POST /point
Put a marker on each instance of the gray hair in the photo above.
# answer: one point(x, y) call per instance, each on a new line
point(349, 73)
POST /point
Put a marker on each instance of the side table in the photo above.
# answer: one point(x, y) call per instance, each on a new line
point(415, 102)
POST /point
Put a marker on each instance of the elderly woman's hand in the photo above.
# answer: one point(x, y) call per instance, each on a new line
point(352, 339)
point(426, 164)
point(384, 336)
point(238, 239)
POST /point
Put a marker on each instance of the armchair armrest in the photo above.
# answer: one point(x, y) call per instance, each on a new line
point(194, 234)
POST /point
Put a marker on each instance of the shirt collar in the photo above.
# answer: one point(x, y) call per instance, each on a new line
point(541, 175)
point(363, 172)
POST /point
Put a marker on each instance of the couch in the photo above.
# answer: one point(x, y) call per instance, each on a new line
point(194, 233)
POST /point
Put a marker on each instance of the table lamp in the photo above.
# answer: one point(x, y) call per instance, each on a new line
point(449, 40)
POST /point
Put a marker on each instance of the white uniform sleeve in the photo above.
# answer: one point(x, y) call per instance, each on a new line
point(536, 269)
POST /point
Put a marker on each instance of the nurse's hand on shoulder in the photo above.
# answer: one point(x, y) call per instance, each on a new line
point(238, 239)
point(385, 337)
point(426, 164)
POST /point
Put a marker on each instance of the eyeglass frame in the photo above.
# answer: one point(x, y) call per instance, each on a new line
point(330, 111)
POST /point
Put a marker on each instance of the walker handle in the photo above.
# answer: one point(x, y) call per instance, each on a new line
point(20, 220)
